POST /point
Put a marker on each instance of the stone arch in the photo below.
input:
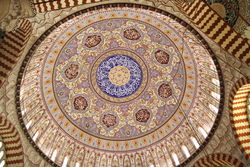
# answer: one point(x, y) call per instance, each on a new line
point(12, 142)
point(238, 113)
point(237, 45)
point(45, 6)
point(219, 159)
point(12, 46)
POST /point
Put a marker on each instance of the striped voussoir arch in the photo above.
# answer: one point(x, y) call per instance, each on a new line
point(210, 23)
point(216, 160)
point(12, 46)
point(239, 114)
point(12, 143)
point(48, 5)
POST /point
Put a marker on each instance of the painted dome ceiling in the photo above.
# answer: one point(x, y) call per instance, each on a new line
point(119, 86)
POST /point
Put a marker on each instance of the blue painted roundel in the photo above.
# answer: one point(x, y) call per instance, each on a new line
point(119, 76)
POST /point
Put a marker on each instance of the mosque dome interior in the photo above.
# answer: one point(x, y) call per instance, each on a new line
point(129, 83)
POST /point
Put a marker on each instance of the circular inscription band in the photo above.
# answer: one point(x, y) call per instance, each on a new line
point(119, 76)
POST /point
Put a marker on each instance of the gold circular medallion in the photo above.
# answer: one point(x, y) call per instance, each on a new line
point(119, 75)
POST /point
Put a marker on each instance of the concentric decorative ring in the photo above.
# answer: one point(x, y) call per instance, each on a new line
point(119, 76)
point(67, 105)
point(135, 85)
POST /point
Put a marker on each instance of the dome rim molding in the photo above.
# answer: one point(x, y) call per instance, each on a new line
point(112, 5)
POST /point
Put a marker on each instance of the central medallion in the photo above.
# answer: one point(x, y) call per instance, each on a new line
point(119, 76)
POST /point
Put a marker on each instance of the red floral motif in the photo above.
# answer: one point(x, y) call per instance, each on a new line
point(142, 115)
point(72, 71)
point(92, 41)
point(131, 34)
point(162, 57)
point(80, 103)
point(109, 120)
point(164, 90)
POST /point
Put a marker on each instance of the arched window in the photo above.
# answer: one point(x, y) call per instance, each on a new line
point(195, 142)
point(35, 136)
point(65, 161)
point(2, 163)
point(22, 112)
point(212, 67)
point(213, 108)
point(1, 154)
point(203, 132)
point(77, 164)
point(53, 157)
point(175, 158)
point(28, 124)
point(215, 95)
point(216, 81)
point(185, 151)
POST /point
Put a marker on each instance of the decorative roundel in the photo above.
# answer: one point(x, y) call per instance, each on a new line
point(119, 76)
point(71, 71)
point(162, 56)
point(109, 120)
point(142, 115)
point(92, 41)
point(164, 90)
point(132, 34)
point(121, 82)
point(80, 103)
